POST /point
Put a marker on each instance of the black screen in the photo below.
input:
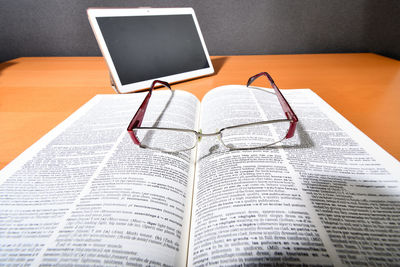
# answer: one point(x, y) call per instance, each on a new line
point(149, 47)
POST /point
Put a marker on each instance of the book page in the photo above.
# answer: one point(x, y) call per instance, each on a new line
point(85, 194)
point(328, 196)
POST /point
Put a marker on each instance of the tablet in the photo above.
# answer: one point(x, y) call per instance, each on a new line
point(144, 44)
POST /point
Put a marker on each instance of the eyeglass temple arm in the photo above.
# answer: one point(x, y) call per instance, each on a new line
point(139, 115)
point(284, 104)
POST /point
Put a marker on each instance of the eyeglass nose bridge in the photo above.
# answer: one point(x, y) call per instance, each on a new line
point(200, 134)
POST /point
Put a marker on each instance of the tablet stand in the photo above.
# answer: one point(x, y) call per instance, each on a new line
point(113, 83)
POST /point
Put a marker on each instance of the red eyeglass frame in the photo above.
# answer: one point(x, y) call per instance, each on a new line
point(139, 115)
point(290, 115)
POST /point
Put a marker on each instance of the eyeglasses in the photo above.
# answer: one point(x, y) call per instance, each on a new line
point(244, 136)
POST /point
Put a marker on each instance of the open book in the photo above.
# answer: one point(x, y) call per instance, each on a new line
point(85, 194)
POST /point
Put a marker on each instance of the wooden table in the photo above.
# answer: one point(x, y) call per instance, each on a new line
point(38, 93)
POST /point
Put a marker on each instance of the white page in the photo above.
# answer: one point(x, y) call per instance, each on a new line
point(85, 194)
point(267, 206)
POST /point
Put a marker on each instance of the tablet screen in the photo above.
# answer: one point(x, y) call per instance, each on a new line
point(147, 47)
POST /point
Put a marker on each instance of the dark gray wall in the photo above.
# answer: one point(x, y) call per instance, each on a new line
point(61, 28)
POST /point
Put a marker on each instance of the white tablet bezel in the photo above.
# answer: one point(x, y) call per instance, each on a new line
point(94, 13)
